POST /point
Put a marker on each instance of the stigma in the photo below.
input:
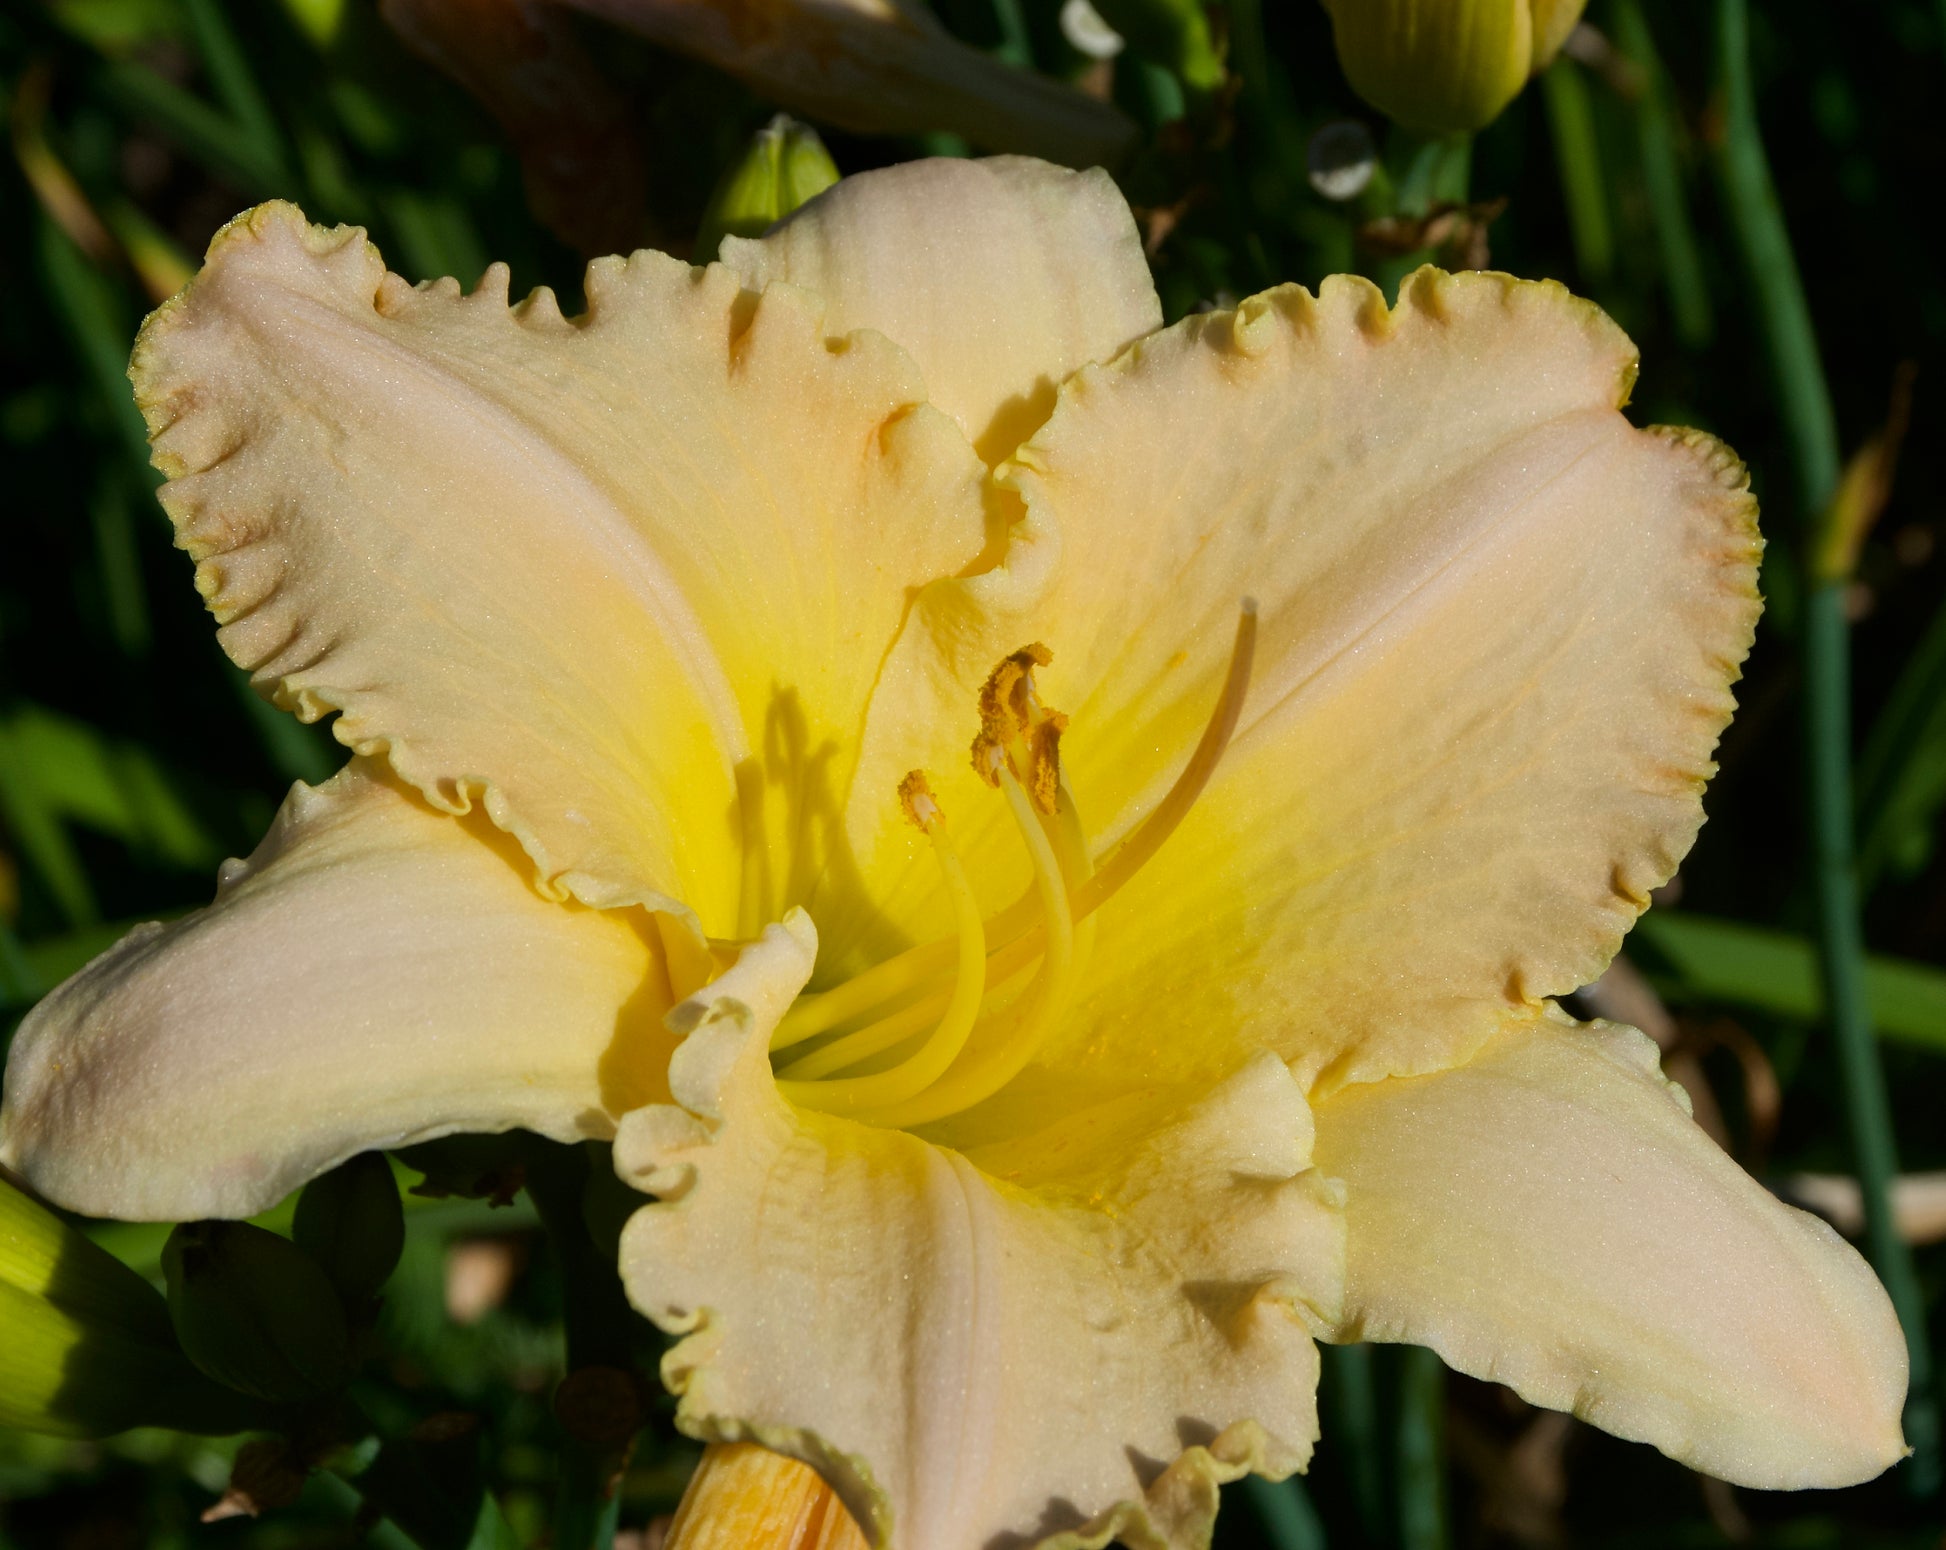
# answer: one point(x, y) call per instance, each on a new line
point(944, 1026)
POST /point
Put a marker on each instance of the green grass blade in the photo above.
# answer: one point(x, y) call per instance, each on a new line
point(1421, 1451)
point(1577, 152)
point(1805, 399)
point(119, 562)
point(1656, 135)
point(1284, 1509)
point(95, 314)
point(234, 82)
point(199, 130)
point(1703, 959)
point(1349, 1395)
point(1902, 771)
point(37, 831)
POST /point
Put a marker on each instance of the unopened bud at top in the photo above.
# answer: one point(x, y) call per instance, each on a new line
point(1447, 65)
point(784, 166)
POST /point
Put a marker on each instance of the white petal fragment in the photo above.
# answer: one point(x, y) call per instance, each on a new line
point(1000, 278)
point(1549, 1217)
point(962, 1357)
point(375, 974)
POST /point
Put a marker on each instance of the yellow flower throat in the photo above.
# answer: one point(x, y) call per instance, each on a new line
point(963, 1016)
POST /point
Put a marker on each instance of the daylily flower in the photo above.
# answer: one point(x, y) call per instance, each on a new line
point(1337, 682)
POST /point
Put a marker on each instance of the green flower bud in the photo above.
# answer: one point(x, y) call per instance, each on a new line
point(1448, 66)
point(85, 1344)
point(785, 165)
point(350, 1221)
point(256, 1312)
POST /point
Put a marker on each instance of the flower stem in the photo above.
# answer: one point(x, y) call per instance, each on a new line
point(1805, 401)
point(743, 1497)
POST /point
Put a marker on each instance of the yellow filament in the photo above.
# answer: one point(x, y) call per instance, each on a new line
point(1133, 853)
point(1070, 840)
point(847, 1095)
point(912, 969)
point(993, 1068)
point(919, 966)
point(863, 1043)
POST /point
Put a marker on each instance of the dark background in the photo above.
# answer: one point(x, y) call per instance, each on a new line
point(133, 758)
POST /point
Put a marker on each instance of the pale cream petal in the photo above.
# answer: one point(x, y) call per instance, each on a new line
point(1498, 629)
point(601, 575)
point(970, 1357)
point(1001, 278)
point(1547, 1216)
point(376, 973)
point(881, 66)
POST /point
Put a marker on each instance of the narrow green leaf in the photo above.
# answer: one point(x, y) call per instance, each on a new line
point(1657, 131)
point(1421, 1451)
point(118, 561)
point(1902, 771)
point(234, 81)
point(96, 315)
point(37, 831)
point(1704, 958)
point(80, 775)
point(436, 236)
point(1804, 397)
point(1174, 34)
point(1348, 1395)
point(1284, 1508)
point(198, 129)
point(1577, 153)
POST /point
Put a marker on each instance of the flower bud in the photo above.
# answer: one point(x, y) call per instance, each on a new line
point(785, 165)
point(351, 1223)
point(87, 1349)
point(1448, 66)
point(256, 1312)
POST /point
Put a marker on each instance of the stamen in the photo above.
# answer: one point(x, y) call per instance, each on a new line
point(1017, 732)
point(1133, 853)
point(848, 1095)
point(1015, 933)
point(993, 1068)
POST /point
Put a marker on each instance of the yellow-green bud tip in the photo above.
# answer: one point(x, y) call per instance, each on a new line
point(86, 1348)
point(1448, 66)
point(784, 166)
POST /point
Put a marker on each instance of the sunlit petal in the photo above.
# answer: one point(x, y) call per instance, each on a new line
point(1010, 1343)
point(1548, 1216)
point(1000, 278)
point(1498, 629)
point(593, 574)
point(376, 973)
